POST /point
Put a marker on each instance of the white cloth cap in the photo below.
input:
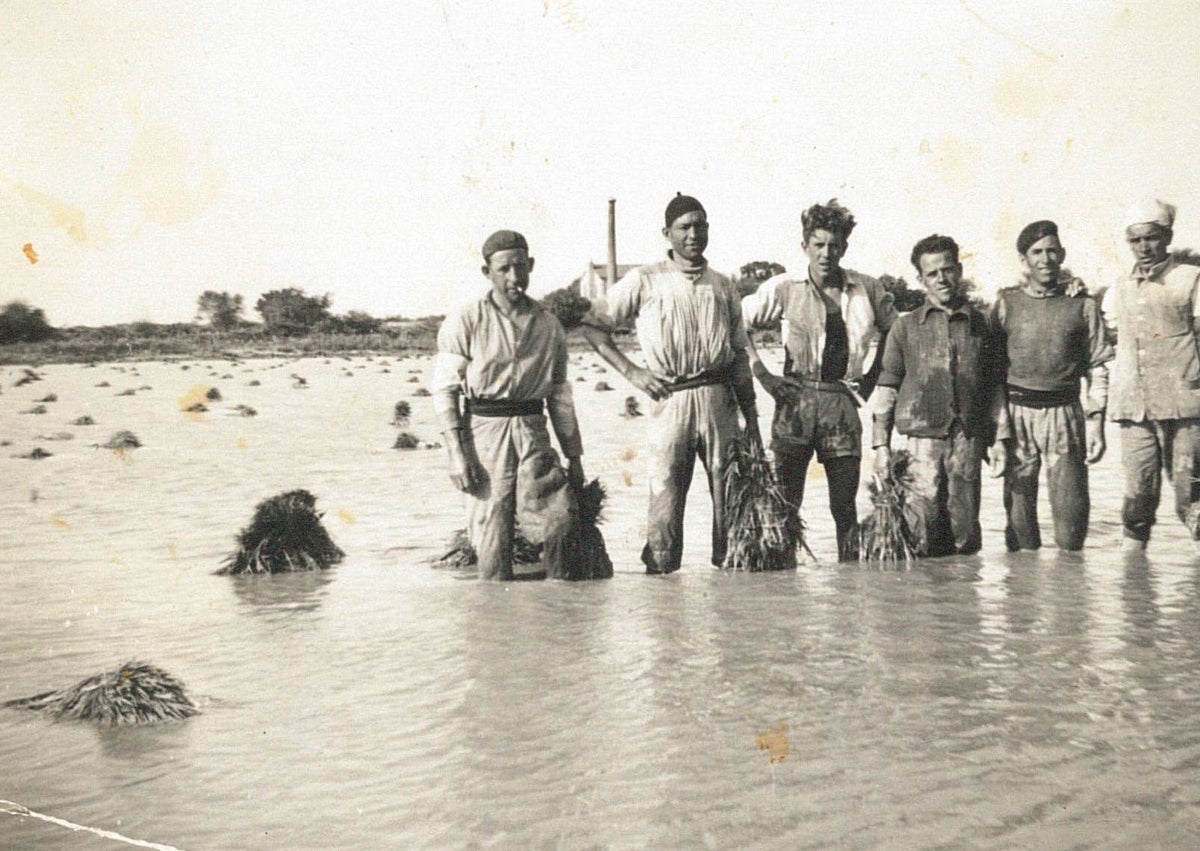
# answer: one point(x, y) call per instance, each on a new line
point(1151, 212)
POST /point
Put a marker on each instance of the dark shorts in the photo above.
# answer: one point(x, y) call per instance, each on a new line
point(824, 420)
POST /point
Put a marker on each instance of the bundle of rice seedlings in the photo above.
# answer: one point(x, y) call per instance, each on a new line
point(254, 382)
point(85, 420)
point(400, 413)
point(123, 439)
point(631, 407)
point(285, 535)
point(421, 391)
point(459, 553)
point(405, 440)
point(195, 408)
point(36, 409)
point(568, 306)
point(37, 454)
point(129, 392)
point(602, 386)
point(213, 394)
point(49, 397)
point(885, 535)
point(764, 529)
point(103, 384)
point(584, 555)
point(246, 411)
point(134, 694)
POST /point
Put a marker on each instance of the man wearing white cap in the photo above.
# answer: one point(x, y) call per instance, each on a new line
point(1155, 395)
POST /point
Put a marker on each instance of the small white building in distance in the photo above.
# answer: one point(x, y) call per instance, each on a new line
point(594, 280)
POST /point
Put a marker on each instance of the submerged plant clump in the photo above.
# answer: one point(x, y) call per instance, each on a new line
point(764, 529)
point(460, 554)
point(406, 440)
point(123, 440)
point(136, 693)
point(285, 535)
point(886, 534)
point(400, 413)
point(585, 556)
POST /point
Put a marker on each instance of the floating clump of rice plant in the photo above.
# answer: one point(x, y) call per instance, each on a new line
point(49, 397)
point(568, 306)
point(85, 420)
point(400, 413)
point(886, 535)
point(36, 454)
point(285, 535)
point(460, 554)
point(632, 409)
point(421, 391)
point(602, 386)
point(122, 439)
point(36, 409)
point(406, 440)
point(196, 408)
point(129, 392)
point(254, 382)
point(246, 411)
point(764, 528)
point(213, 395)
point(136, 693)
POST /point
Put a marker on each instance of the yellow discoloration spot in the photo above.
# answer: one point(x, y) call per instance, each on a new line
point(171, 553)
point(776, 743)
point(30, 253)
point(123, 455)
point(628, 453)
point(59, 523)
point(345, 516)
point(241, 443)
point(627, 478)
point(198, 394)
point(116, 561)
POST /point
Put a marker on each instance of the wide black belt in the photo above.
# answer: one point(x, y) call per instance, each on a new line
point(504, 407)
point(716, 375)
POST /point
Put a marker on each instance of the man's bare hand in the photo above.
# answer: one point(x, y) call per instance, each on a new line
point(649, 383)
point(466, 473)
point(575, 473)
point(883, 462)
point(1095, 439)
point(781, 389)
point(999, 458)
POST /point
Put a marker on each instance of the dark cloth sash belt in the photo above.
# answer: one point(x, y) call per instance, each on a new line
point(1041, 398)
point(716, 375)
point(504, 407)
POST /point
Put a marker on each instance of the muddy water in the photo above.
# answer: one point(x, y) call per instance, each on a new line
point(1005, 701)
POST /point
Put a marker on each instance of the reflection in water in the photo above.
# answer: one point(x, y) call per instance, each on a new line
point(272, 595)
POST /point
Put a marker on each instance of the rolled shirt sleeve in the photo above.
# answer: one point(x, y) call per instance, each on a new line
point(450, 370)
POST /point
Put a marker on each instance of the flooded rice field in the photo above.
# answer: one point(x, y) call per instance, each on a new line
point(1002, 700)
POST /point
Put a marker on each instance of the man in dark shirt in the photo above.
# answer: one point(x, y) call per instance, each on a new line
point(939, 387)
point(1052, 337)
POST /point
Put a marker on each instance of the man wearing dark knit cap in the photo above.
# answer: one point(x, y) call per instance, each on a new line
point(689, 325)
point(1051, 337)
point(501, 362)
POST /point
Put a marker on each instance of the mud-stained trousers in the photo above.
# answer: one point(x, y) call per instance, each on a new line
point(1146, 449)
point(1056, 437)
point(824, 423)
point(518, 459)
point(945, 491)
point(699, 422)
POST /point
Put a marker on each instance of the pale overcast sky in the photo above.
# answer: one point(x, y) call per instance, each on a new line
point(155, 150)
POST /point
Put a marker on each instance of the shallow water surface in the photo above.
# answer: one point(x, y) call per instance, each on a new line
point(1002, 701)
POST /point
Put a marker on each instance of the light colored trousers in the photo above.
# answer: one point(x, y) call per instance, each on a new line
point(1146, 449)
point(700, 422)
point(1054, 436)
point(944, 496)
point(519, 461)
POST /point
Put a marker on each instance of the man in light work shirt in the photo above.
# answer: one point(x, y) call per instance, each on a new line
point(1155, 309)
point(1051, 340)
point(939, 385)
point(829, 318)
point(501, 361)
point(689, 326)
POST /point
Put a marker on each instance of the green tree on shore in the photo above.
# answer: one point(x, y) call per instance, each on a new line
point(20, 323)
point(290, 311)
point(222, 310)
